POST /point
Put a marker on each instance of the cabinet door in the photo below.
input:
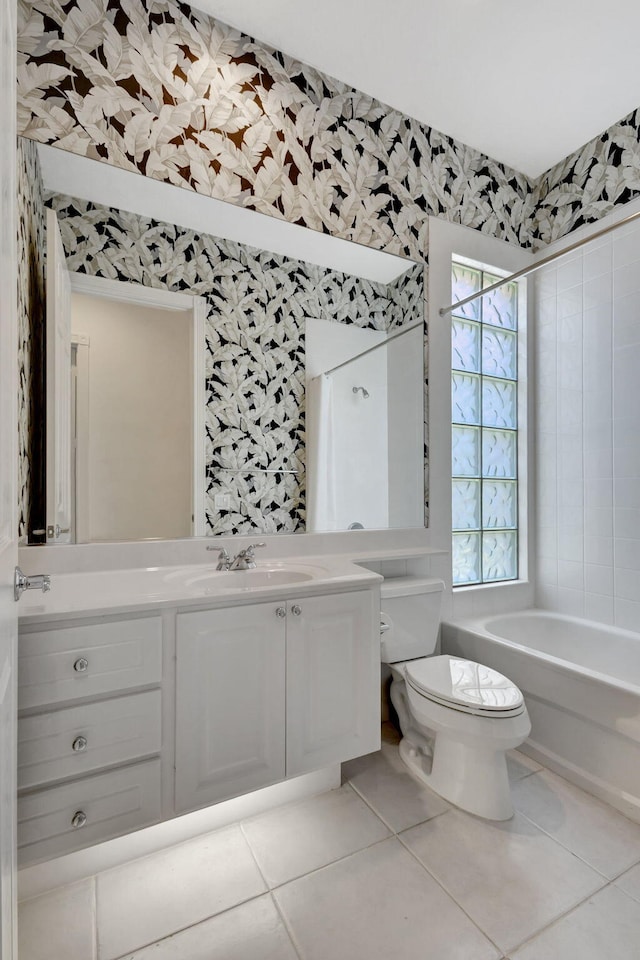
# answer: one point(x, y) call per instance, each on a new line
point(333, 680)
point(230, 703)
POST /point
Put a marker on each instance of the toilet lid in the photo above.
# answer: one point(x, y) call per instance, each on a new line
point(463, 684)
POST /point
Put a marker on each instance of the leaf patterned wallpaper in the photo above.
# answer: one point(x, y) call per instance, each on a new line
point(255, 344)
point(588, 184)
point(157, 87)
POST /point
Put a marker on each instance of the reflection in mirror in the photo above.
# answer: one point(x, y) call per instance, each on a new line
point(274, 456)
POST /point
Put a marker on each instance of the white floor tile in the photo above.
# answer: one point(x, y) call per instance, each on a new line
point(300, 837)
point(589, 828)
point(151, 898)
point(378, 904)
point(59, 924)
point(509, 877)
point(606, 925)
point(386, 784)
point(252, 931)
point(520, 765)
point(630, 882)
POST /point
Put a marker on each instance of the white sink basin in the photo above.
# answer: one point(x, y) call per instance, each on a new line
point(237, 579)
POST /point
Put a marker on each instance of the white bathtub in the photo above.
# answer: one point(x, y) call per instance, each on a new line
point(581, 683)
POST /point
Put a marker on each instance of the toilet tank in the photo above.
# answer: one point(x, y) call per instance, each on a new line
point(409, 617)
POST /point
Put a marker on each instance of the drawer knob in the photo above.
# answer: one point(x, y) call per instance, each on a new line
point(296, 610)
point(79, 744)
point(81, 665)
point(79, 819)
point(281, 612)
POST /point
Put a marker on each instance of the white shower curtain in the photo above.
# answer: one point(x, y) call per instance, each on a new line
point(321, 482)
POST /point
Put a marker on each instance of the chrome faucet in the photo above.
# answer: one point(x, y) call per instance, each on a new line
point(245, 560)
point(224, 560)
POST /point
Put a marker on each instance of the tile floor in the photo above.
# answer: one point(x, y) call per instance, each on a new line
point(378, 868)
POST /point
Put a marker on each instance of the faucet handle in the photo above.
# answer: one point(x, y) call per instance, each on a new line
point(248, 551)
point(223, 557)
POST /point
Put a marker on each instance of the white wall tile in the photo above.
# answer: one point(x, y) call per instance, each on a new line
point(626, 248)
point(598, 492)
point(598, 579)
point(598, 522)
point(598, 549)
point(626, 279)
point(547, 570)
point(570, 602)
point(627, 614)
point(599, 608)
point(597, 260)
point(627, 553)
point(569, 272)
point(597, 291)
point(627, 583)
point(571, 574)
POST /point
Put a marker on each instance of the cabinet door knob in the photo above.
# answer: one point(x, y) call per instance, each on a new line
point(79, 819)
point(281, 612)
point(81, 665)
point(296, 610)
point(79, 744)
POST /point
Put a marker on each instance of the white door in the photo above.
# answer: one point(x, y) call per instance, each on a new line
point(333, 680)
point(8, 485)
point(230, 709)
point(58, 387)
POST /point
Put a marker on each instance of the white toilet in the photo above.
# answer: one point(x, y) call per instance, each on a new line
point(458, 718)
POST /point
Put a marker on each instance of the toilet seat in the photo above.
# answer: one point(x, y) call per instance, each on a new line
point(465, 686)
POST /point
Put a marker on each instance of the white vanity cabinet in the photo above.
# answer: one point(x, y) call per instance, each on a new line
point(273, 690)
point(89, 733)
point(230, 703)
point(132, 718)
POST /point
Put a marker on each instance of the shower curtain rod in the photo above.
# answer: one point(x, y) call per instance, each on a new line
point(538, 264)
point(376, 346)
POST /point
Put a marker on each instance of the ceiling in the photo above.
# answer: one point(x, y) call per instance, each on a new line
point(524, 82)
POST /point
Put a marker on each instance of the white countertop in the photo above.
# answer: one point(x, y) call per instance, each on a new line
point(108, 592)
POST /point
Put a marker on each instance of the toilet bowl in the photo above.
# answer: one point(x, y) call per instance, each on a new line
point(458, 718)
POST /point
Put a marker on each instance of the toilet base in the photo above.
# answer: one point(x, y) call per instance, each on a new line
point(470, 778)
point(459, 756)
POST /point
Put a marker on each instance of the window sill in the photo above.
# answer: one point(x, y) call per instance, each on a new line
point(462, 588)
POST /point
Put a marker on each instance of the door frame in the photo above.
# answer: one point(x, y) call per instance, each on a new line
point(125, 291)
point(8, 481)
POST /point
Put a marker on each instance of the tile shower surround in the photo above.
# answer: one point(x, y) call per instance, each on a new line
point(588, 356)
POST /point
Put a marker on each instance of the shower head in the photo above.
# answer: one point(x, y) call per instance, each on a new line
point(365, 393)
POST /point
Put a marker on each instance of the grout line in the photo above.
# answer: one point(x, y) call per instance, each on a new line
point(253, 855)
point(94, 915)
point(388, 825)
point(559, 918)
point(449, 894)
point(287, 926)
point(331, 863)
point(569, 850)
point(131, 953)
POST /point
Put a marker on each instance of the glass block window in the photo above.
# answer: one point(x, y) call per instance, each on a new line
point(484, 400)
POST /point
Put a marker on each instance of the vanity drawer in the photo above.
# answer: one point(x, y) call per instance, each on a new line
point(102, 807)
point(78, 740)
point(72, 662)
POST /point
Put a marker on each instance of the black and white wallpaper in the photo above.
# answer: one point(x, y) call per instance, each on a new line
point(157, 87)
point(31, 333)
point(255, 344)
point(589, 183)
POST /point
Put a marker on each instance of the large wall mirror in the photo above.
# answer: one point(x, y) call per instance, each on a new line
point(212, 370)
